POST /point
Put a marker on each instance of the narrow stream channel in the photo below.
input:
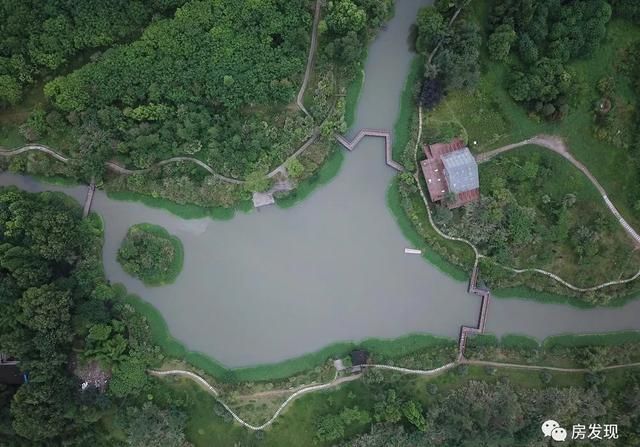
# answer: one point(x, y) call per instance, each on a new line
point(275, 284)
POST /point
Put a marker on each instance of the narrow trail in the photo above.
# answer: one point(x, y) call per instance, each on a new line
point(310, 58)
point(558, 146)
point(119, 169)
point(337, 381)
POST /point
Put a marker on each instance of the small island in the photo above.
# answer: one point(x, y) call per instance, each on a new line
point(151, 254)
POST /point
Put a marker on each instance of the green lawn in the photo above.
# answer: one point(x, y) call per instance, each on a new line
point(492, 119)
point(296, 426)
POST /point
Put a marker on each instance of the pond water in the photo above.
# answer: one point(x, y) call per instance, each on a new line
point(275, 284)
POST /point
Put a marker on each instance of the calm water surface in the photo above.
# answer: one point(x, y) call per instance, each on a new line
point(276, 284)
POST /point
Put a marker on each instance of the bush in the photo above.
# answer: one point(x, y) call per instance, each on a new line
point(151, 254)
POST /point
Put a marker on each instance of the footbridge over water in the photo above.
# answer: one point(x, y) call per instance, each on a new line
point(351, 145)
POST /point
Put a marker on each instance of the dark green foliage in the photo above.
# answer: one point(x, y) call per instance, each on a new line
point(57, 311)
point(431, 93)
point(150, 253)
point(455, 64)
point(151, 425)
point(498, 414)
point(330, 428)
point(549, 34)
point(627, 9)
point(500, 42)
point(350, 24)
point(41, 36)
point(431, 28)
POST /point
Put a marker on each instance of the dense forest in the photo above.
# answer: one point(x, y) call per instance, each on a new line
point(39, 38)
point(67, 326)
point(178, 78)
point(502, 414)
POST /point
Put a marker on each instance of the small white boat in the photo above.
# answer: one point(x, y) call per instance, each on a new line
point(412, 251)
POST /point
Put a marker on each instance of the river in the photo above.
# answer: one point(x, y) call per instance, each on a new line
point(275, 284)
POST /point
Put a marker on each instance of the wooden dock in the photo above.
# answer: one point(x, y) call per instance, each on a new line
point(351, 145)
point(466, 331)
point(89, 200)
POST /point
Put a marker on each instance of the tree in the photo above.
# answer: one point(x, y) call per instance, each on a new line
point(431, 93)
point(10, 91)
point(388, 409)
point(330, 428)
point(345, 16)
point(129, 378)
point(151, 425)
point(431, 28)
point(413, 412)
point(150, 253)
point(500, 42)
point(294, 168)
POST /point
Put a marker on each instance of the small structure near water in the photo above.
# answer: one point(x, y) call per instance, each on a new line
point(451, 173)
point(359, 358)
point(10, 373)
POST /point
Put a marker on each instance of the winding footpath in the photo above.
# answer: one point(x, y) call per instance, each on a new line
point(119, 169)
point(337, 381)
point(556, 145)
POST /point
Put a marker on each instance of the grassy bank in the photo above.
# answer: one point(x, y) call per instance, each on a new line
point(402, 128)
point(394, 202)
point(354, 89)
point(390, 349)
point(181, 210)
point(329, 169)
point(591, 351)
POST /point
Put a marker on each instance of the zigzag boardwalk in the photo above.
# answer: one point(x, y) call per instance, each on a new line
point(350, 145)
point(465, 331)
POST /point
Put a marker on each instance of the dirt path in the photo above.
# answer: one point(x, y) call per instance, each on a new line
point(337, 381)
point(545, 368)
point(119, 169)
point(310, 58)
point(557, 145)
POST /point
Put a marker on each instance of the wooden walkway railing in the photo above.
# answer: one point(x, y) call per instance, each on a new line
point(89, 200)
point(465, 331)
point(350, 145)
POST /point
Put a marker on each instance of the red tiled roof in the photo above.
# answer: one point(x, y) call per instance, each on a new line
point(433, 170)
point(465, 197)
point(437, 150)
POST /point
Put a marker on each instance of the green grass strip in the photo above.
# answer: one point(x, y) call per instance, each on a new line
point(181, 210)
point(518, 341)
point(352, 96)
point(409, 232)
point(578, 340)
point(390, 348)
point(327, 172)
point(553, 298)
point(402, 127)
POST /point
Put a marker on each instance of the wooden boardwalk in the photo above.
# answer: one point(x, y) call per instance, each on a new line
point(466, 331)
point(89, 200)
point(351, 145)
